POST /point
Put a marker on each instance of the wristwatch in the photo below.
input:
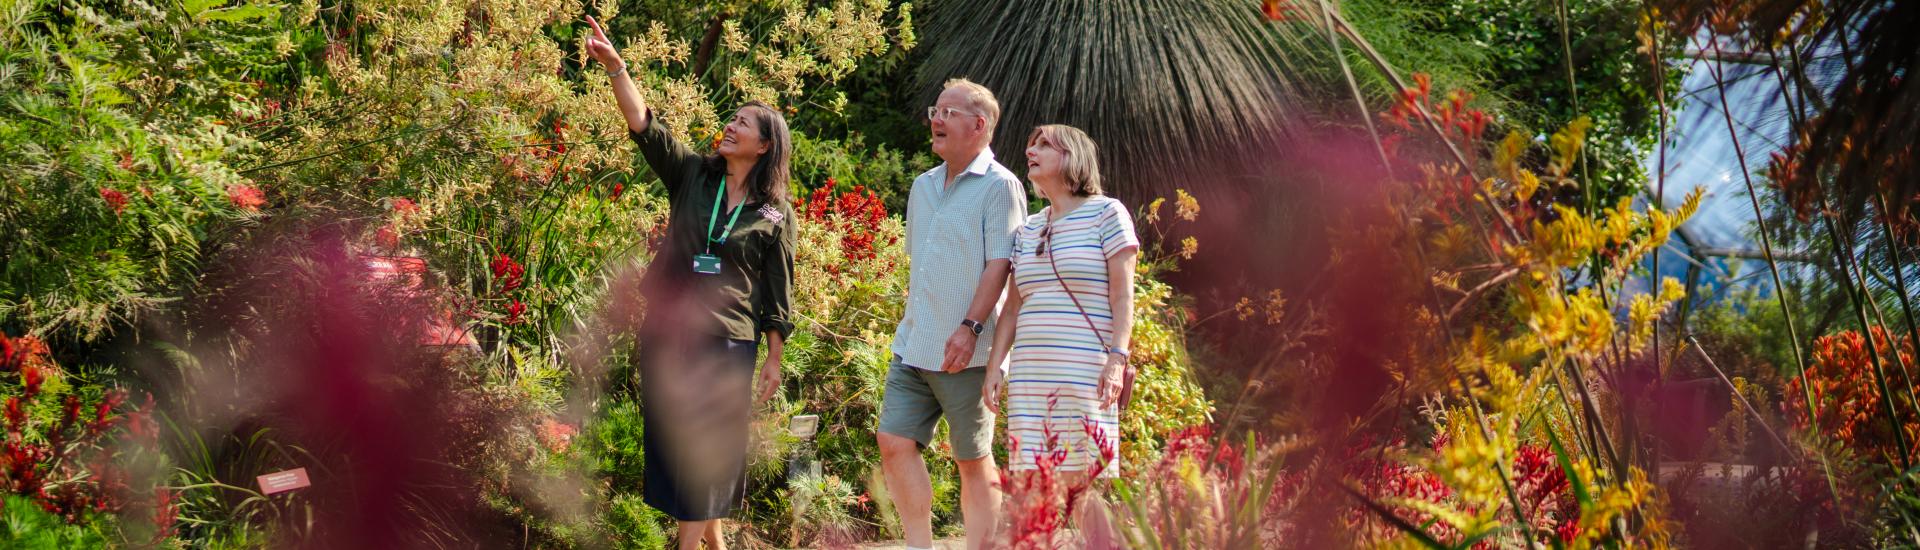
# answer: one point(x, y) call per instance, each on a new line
point(973, 325)
point(1124, 356)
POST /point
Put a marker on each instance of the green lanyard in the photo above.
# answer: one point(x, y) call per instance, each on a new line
point(720, 196)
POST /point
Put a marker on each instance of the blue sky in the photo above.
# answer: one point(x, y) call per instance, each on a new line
point(1700, 153)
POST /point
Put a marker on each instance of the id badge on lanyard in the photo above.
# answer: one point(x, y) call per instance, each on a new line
point(707, 263)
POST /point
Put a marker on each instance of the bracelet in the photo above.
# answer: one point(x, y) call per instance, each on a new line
point(617, 71)
point(1120, 352)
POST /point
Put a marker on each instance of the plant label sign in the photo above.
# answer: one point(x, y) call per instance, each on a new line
point(280, 482)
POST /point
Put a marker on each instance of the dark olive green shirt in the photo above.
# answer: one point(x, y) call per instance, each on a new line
point(753, 293)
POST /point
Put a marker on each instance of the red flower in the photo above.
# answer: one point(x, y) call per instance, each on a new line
point(103, 413)
point(70, 412)
point(1473, 124)
point(1391, 145)
point(514, 311)
point(510, 273)
point(115, 199)
point(22, 352)
point(31, 377)
point(165, 511)
point(16, 415)
point(656, 235)
point(1568, 530)
point(246, 197)
point(404, 206)
point(617, 188)
point(386, 237)
point(817, 205)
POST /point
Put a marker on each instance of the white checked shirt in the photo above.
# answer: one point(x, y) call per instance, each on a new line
point(952, 232)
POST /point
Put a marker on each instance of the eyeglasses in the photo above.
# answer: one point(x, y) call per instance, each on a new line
point(1045, 234)
point(942, 113)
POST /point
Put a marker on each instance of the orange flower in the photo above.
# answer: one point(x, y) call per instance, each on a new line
point(556, 435)
point(246, 197)
point(1841, 381)
point(1278, 10)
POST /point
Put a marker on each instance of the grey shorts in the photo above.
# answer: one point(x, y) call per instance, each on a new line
point(915, 400)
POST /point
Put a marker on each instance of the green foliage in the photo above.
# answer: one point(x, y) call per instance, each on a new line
point(1744, 332)
point(822, 507)
point(1527, 67)
point(25, 526)
point(461, 137)
point(1403, 33)
point(634, 525)
point(211, 506)
point(851, 163)
point(710, 57)
point(1166, 396)
point(614, 442)
point(117, 151)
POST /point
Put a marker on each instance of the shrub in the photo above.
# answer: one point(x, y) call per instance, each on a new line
point(842, 165)
point(634, 525)
point(95, 461)
point(25, 525)
point(122, 151)
point(1849, 406)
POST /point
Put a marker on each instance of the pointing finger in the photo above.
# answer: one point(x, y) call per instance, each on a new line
point(597, 31)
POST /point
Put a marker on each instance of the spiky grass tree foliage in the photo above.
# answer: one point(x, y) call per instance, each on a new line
point(1168, 89)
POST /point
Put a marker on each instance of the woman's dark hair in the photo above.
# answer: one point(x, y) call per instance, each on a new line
point(767, 181)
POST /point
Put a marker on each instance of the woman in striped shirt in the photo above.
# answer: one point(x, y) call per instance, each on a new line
point(1065, 326)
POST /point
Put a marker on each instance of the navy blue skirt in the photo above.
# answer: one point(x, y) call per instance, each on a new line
point(696, 399)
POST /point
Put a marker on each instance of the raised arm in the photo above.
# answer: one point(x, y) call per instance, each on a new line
point(632, 107)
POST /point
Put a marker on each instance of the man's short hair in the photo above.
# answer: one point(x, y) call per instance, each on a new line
point(979, 99)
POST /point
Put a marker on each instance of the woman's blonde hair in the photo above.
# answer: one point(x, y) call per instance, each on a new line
point(1082, 165)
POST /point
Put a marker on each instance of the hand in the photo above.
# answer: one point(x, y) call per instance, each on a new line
point(990, 390)
point(1111, 380)
point(959, 350)
point(600, 48)
point(769, 381)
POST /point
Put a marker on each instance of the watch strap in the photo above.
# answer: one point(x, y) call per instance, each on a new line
point(975, 326)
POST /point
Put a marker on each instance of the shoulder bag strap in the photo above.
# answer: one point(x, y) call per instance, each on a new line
point(1126, 375)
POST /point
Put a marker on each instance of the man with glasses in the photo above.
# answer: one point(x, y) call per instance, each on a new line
point(961, 218)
